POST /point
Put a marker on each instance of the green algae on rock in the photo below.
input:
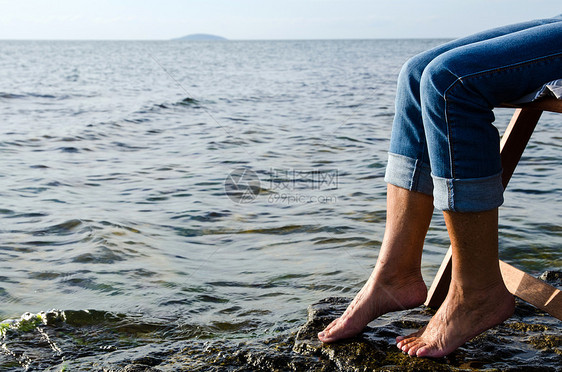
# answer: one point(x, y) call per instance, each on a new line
point(90, 340)
point(519, 344)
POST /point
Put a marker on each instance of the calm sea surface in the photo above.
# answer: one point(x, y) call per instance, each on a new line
point(121, 188)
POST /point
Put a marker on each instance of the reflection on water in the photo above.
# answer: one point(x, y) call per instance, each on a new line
point(113, 185)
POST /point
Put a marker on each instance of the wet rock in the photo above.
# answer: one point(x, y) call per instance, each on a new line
point(552, 277)
point(372, 350)
point(547, 342)
point(139, 368)
point(55, 341)
point(519, 344)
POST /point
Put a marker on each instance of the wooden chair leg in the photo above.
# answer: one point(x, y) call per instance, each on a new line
point(515, 139)
point(520, 284)
point(533, 290)
point(440, 286)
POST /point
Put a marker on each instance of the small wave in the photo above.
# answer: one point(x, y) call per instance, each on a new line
point(207, 217)
point(26, 215)
point(532, 191)
point(282, 230)
point(44, 96)
point(188, 101)
point(69, 149)
point(47, 96)
point(138, 120)
point(34, 341)
point(6, 211)
point(127, 147)
point(64, 228)
point(5, 95)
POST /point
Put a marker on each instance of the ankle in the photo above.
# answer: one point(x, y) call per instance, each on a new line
point(480, 292)
point(397, 278)
point(471, 282)
point(396, 270)
point(411, 281)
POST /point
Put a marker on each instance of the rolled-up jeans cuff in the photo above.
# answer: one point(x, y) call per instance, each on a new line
point(468, 195)
point(408, 173)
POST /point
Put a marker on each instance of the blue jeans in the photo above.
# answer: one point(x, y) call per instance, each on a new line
point(443, 140)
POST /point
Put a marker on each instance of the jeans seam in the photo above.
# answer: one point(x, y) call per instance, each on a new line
point(450, 194)
point(504, 68)
point(489, 72)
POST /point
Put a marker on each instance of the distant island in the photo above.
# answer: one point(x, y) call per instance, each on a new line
point(205, 37)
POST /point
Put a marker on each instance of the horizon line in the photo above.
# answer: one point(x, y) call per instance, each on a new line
point(227, 40)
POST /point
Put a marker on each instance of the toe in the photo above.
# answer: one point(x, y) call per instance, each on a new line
point(405, 345)
point(431, 352)
point(325, 336)
point(406, 348)
point(414, 347)
point(422, 352)
point(418, 333)
point(405, 341)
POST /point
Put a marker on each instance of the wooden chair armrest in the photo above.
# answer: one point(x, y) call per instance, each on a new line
point(544, 104)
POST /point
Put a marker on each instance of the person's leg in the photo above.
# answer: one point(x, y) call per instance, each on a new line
point(408, 163)
point(408, 168)
point(396, 282)
point(477, 298)
point(459, 89)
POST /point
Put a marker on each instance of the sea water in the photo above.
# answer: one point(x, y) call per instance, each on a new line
point(164, 191)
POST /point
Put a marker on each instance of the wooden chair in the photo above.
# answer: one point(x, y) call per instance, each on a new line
point(520, 284)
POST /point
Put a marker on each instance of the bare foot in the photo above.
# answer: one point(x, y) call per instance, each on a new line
point(460, 318)
point(377, 297)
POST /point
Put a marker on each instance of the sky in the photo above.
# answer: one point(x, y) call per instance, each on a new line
point(262, 19)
